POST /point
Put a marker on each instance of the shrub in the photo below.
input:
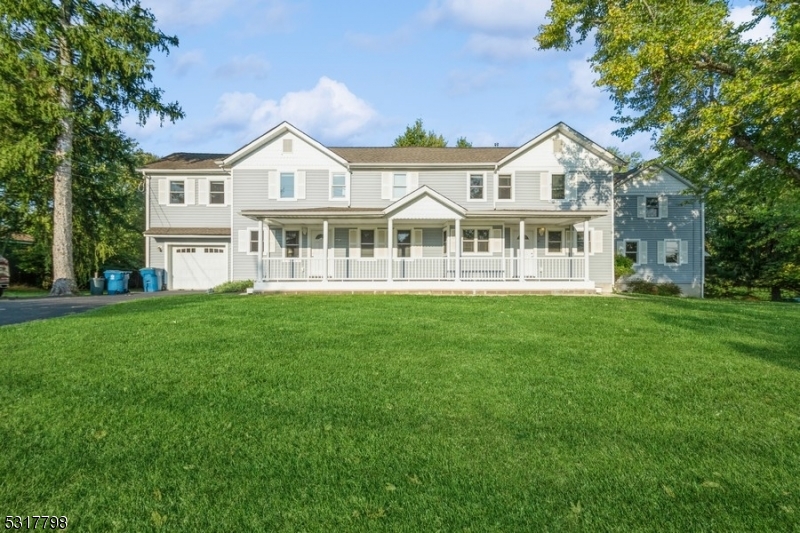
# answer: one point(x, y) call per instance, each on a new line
point(623, 266)
point(641, 286)
point(234, 286)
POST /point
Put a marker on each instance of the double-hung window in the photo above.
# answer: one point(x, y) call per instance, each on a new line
point(475, 241)
point(559, 190)
point(291, 243)
point(504, 187)
point(580, 242)
point(398, 186)
point(177, 192)
point(253, 241)
point(404, 243)
point(672, 252)
point(555, 241)
point(476, 187)
point(367, 243)
point(632, 251)
point(338, 186)
point(287, 185)
point(216, 192)
point(651, 207)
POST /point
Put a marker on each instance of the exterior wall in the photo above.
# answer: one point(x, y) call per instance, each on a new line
point(249, 192)
point(187, 216)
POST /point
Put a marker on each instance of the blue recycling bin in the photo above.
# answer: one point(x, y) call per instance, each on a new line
point(116, 281)
point(149, 279)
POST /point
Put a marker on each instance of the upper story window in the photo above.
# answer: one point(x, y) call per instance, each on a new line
point(177, 192)
point(504, 187)
point(287, 184)
point(651, 204)
point(398, 186)
point(476, 187)
point(475, 241)
point(338, 186)
point(558, 191)
point(216, 192)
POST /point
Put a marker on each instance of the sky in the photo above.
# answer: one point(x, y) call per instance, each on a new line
point(357, 72)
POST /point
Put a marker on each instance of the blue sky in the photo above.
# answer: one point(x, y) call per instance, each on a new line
point(356, 73)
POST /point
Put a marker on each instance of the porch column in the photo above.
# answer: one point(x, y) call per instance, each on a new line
point(260, 263)
point(585, 250)
point(458, 250)
point(390, 250)
point(325, 247)
point(521, 258)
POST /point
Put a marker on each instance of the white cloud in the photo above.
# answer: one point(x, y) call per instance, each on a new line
point(251, 65)
point(185, 61)
point(329, 112)
point(760, 32)
point(580, 95)
point(522, 16)
point(500, 48)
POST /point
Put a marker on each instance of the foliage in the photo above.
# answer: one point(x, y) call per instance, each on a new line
point(396, 413)
point(623, 266)
point(462, 142)
point(236, 287)
point(641, 286)
point(634, 159)
point(417, 136)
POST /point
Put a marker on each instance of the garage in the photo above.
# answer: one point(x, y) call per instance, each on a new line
point(198, 267)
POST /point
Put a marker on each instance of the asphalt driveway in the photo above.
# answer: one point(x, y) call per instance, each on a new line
point(14, 311)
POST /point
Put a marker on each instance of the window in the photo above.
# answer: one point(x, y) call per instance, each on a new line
point(287, 184)
point(558, 187)
point(367, 243)
point(254, 241)
point(475, 241)
point(632, 251)
point(291, 243)
point(216, 191)
point(651, 207)
point(554, 241)
point(398, 186)
point(476, 187)
point(672, 254)
point(580, 245)
point(504, 187)
point(177, 192)
point(404, 243)
point(444, 243)
point(338, 186)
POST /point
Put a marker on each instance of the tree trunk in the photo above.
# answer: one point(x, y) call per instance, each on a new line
point(776, 294)
point(63, 268)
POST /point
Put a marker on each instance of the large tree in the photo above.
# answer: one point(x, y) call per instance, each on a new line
point(67, 68)
point(417, 136)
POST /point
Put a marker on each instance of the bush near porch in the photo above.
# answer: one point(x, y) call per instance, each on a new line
point(405, 413)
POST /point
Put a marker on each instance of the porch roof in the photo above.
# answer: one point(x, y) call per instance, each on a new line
point(186, 232)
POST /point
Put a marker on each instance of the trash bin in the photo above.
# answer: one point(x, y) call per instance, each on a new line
point(149, 279)
point(126, 276)
point(116, 281)
point(161, 275)
point(96, 286)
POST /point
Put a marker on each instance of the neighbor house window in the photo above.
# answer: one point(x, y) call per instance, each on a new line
point(287, 184)
point(292, 243)
point(476, 187)
point(632, 251)
point(651, 207)
point(558, 188)
point(254, 241)
point(339, 186)
point(367, 243)
point(404, 243)
point(216, 191)
point(555, 240)
point(672, 252)
point(398, 186)
point(504, 187)
point(177, 192)
point(475, 241)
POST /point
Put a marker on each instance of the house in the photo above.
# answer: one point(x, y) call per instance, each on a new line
point(295, 215)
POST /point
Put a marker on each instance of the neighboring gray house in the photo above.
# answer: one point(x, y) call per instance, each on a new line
point(661, 228)
point(295, 215)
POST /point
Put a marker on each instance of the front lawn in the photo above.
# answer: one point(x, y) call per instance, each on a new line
point(405, 413)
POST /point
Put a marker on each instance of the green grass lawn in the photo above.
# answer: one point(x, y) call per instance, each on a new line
point(405, 413)
point(24, 291)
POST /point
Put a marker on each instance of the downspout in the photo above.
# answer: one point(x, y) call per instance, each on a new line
point(146, 217)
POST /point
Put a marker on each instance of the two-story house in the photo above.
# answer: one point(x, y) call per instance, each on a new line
point(295, 215)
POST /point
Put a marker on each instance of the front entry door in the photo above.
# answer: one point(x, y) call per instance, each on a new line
point(316, 268)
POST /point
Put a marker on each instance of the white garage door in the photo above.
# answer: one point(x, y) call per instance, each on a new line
point(199, 267)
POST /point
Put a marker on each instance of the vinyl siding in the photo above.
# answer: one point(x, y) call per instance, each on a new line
point(186, 216)
point(365, 190)
point(249, 192)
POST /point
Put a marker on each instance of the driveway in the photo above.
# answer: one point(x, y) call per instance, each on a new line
point(27, 309)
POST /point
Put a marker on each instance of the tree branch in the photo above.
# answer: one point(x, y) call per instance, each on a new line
point(744, 142)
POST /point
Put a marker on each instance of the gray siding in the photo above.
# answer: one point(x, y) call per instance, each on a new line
point(186, 216)
point(593, 192)
point(249, 192)
point(365, 190)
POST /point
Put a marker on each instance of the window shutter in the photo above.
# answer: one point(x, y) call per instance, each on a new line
point(228, 191)
point(202, 191)
point(621, 247)
point(640, 207)
point(496, 241)
point(416, 243)
point(163, 191)
point(546, 186)
point(274, 186)
point(572, 186)
point(642, 252)
point(355, 247)
point(663, 205)
point(300, 185)
point(413, 182)
point(386, 185)
point(596, 241)
point(661, 260)
point(270, 236)
point(190, 191)
point(684, 252)
point(451, 241)
point(244, 240)
point(380, 244)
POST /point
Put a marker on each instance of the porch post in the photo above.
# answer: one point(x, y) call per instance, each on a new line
point(260, 263)
point(585, 250)
point(521, 258)
point(458, 250)
point(390, 249)
point(325, 247)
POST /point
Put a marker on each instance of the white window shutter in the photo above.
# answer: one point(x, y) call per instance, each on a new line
point(300, 185)
point(620, 247)
point(386, 185)
point(413, 182)
point(642, 252)
point(273, 185)
point(244, 240)
point(416, 243)
point(163, 191)
point(663, 206)
point(640, 207)
point(451, 242)
point(189, 187)
point(546, 186)
point(228, 191)
point(380, 244)
point(202, 191)
point(596, 241)
point(355, 246)
point(496, 241)
point(270, 236)
point(661, 260)
point(684, 252)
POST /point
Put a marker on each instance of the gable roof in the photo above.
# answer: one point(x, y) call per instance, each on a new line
point(427, 192)
point(570, 133)
point(186, 161)
point(421, 155)
point(619, 179)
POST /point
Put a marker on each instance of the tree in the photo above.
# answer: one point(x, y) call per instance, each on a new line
point(634, 159)
point(462, 142)
point(70, 68)
point(417, 136)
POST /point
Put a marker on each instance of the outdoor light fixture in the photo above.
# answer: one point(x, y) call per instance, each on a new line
point(541, 232)
point(305, 231)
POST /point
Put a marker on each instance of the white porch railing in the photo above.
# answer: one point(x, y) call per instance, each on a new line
point(426, 269)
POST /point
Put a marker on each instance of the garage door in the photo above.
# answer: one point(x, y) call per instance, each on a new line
point(199, 267)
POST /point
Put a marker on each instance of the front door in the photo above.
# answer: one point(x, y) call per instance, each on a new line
point(316, 267)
